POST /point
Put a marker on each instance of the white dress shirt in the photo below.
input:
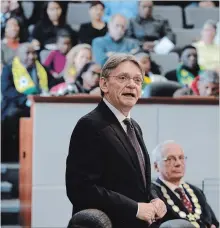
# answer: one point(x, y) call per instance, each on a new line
point(173, 187)
point(120, 117)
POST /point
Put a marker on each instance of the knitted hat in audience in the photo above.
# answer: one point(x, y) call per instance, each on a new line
point(209, 76)
point(94, 3)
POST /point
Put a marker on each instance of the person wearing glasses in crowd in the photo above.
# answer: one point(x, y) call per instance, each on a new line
point(108, 166)
point(184, 201)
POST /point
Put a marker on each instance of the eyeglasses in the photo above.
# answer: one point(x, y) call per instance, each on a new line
point(124, 79)
point(173, 159)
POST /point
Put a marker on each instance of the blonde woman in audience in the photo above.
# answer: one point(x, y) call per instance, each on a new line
point(77, 57)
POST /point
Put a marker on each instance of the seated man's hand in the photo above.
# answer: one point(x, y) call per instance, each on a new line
point(148, 45)
point(213, 226)
point(146, 212)
point(160, 208)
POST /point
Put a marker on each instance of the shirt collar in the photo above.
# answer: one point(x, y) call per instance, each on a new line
point(116, 112)
point(170, 185)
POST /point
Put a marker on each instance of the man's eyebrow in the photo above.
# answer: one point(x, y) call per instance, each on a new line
point(127, 74)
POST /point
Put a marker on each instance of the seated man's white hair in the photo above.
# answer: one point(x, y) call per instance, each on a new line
point(157, 151)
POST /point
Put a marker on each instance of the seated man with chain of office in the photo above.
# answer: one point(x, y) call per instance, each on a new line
point(183, 200)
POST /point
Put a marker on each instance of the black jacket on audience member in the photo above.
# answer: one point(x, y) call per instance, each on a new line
point(102, 170)
point(87, 33)
point(172, 75)
point(207, 217)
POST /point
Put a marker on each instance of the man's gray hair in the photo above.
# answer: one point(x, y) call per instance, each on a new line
point(115, 60)
point(157, 151)
point(209, 76)
point(112, 18)
point(210, 22)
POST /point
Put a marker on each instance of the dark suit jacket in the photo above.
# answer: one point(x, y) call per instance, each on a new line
point(102, 169)
point(207, 217)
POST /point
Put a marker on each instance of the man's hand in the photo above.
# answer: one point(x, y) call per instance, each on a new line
point(148, 45)
point(213, 226)
point(160, 208)
point(146, 212)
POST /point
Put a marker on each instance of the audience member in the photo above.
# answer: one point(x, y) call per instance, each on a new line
point(96, 27)
point(208, 50)
point(152, 70)
point(56, 60)
point(113, 41)
point(188, 69)
point(86, 81)
point(15, 33)
point(25, 76)
point(126, 8)
point(205, 85)
point(203, 4)
point(10, 9)
point(45, 32)
point(148, 28)
point(77, 57)
point(183, 200)
point(39, 7)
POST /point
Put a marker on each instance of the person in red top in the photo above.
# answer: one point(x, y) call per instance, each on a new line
point(56, 60)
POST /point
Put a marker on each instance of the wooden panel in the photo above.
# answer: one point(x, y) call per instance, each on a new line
point(25, 172)
point(82, 98)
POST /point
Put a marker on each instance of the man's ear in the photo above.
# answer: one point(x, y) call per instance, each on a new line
point(103, 84)
point(156, 166)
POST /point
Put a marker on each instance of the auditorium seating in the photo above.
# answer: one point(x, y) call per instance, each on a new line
point(167, 62)
point(197, 16)
point(28, 8)
point(77, 13)
point(186, 36)
point(161, 89)
point(172, 13)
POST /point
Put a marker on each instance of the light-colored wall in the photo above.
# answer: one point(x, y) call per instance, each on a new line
point(194, 127)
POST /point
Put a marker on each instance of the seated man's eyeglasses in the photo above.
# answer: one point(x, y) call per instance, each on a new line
point(172, 159)
point(126, 78)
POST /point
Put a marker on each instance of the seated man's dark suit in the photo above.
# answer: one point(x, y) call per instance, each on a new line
point(103, 170)
point(207, 217)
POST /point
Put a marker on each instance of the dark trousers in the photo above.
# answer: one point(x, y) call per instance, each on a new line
point(10, 134)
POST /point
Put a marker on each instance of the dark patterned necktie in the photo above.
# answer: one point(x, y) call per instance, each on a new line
point(133, 138)
point(184, 199)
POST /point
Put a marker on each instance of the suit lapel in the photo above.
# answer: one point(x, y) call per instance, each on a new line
point(122, 136)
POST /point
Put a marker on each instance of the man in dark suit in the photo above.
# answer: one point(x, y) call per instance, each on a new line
point(183, 200)
point(108, 166)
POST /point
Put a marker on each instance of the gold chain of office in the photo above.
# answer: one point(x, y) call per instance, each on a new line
point(192, 217)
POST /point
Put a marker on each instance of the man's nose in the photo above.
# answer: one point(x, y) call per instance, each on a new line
point(131, 83)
